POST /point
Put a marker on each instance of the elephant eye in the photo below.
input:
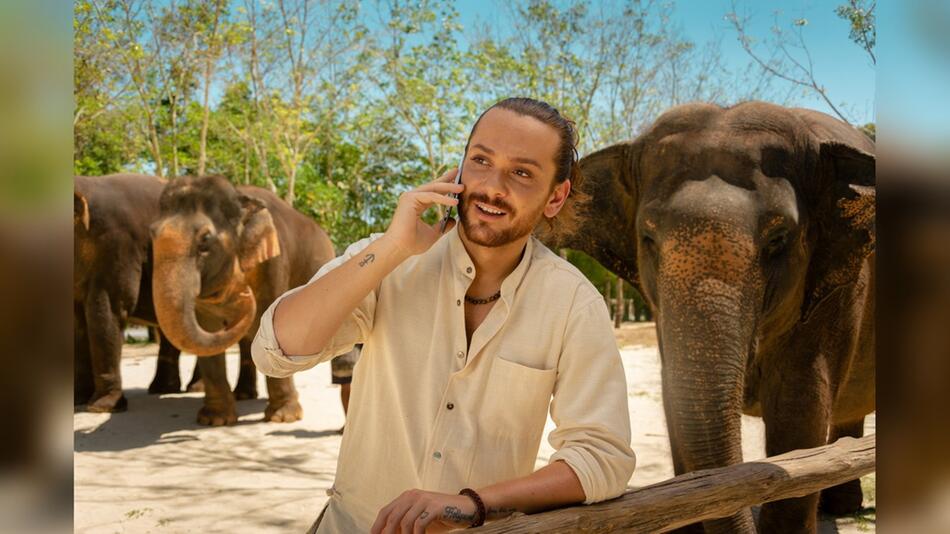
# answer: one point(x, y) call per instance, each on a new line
point(776, 244)
point(204, 242)
point(649, 244)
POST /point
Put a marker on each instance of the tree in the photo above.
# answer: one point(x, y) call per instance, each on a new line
point(289, 50)
point(860, 14)
point(786, 55)
point(102, 143)
point(421, 79)
point(131, 29)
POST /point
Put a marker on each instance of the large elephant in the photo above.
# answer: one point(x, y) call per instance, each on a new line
point(222, 254)
point(112, 285)
point(750, 230)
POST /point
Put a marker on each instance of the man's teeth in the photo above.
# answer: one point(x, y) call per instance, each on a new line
point(489, 210)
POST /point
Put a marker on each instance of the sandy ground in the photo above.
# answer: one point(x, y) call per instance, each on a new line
point(153, 469)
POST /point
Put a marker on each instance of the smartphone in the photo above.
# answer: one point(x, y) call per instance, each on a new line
point(448, 212)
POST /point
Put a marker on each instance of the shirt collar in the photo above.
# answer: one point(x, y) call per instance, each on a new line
point(465, 267)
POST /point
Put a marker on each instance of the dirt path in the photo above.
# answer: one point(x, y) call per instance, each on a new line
point(153, 469)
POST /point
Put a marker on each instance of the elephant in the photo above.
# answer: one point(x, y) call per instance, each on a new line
point(112, 286)
point(750, 231)
point(222, 254)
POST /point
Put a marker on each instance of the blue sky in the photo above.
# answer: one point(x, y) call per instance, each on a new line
point(840, 65)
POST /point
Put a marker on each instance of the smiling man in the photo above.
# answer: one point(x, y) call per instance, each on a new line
point(469, 338)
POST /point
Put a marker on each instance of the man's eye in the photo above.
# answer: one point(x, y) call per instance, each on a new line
point(479, 159)
point(523, 173)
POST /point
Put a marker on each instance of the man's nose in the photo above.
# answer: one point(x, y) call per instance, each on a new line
point(495, 184)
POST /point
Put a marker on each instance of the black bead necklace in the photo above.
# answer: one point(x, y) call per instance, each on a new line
point(492, 298)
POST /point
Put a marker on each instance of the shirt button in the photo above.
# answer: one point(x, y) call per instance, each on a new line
point(460, 354)
point(458, 302)
point(437, 455)
point(468, 270)
point(450, 406)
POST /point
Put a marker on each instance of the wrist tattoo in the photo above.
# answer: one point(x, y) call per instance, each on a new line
point(453, 513)
point(368, 259)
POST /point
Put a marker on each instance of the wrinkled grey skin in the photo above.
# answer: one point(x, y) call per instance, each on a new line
point(750, 230)
point(112, 286)
point(222, 254)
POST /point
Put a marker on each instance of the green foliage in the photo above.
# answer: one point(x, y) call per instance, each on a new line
point(601, 278)
point(860, 15)
point(339, 110)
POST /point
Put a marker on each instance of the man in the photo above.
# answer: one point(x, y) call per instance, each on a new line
point(341, 372)
point(467, 335)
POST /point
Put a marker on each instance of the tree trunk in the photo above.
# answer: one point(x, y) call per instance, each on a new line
point(174, 102)
point(618, 308)
point(209, 70)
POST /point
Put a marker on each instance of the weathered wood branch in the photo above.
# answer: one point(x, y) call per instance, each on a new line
point(707, 494)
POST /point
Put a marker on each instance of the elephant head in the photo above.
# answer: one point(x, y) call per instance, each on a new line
point(736, 224)
point(207, 238)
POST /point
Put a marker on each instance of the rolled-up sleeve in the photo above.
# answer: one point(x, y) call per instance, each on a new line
point(272, 361)
point(589, 407)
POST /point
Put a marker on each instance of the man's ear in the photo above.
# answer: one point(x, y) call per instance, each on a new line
point(557, 198)
point(257, 240)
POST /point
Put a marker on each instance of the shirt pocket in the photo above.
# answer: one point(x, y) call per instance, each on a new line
point(517, 398)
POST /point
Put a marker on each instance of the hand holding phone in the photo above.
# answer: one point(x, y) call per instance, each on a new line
point(448, 212)
point(407, 230)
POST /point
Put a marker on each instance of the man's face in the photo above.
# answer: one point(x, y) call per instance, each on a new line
point(508, 175)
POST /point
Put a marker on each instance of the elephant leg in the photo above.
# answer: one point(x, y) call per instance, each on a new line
point(796, 406)
point(104, 327)
point(846, 498)
point(283, 404)
point(83, 384)
point(247, 379)
point(196, 385)
point(219, 407)
point(167, 378)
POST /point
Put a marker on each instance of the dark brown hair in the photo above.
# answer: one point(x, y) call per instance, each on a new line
point(565, 159)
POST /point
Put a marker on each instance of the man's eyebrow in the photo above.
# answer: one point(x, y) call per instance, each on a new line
point(527, 161)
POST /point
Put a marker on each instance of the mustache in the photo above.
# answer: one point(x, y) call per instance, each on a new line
point(483, 198)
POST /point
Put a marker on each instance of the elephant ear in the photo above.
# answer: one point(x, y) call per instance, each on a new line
point(607, 223)
point(257, 241)
point(846, 219)
point(80, 210)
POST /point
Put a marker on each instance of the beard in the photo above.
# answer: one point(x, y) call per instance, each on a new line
point(494, 234)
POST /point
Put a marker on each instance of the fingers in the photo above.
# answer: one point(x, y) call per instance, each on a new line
point(422, 520)
point(441, 187)
point(381, 518)
point(427, 198)
point(399, 515)
point(447, 178)
point(408, 520)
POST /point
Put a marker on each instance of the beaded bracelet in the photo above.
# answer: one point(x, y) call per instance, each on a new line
point(480, 512)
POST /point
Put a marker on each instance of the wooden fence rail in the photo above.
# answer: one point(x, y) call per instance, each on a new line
point(707, 494)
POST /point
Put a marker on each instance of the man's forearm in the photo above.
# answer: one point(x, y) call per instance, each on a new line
point(552, 486)
point(305, 321)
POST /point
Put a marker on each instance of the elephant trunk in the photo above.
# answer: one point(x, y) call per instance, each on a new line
point(176, 286)
point(706, 326)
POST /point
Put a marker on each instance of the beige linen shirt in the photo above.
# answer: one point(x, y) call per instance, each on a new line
point(426, 411)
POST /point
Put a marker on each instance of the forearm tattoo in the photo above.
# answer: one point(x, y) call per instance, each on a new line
point(367, 259)
point(453, 513)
